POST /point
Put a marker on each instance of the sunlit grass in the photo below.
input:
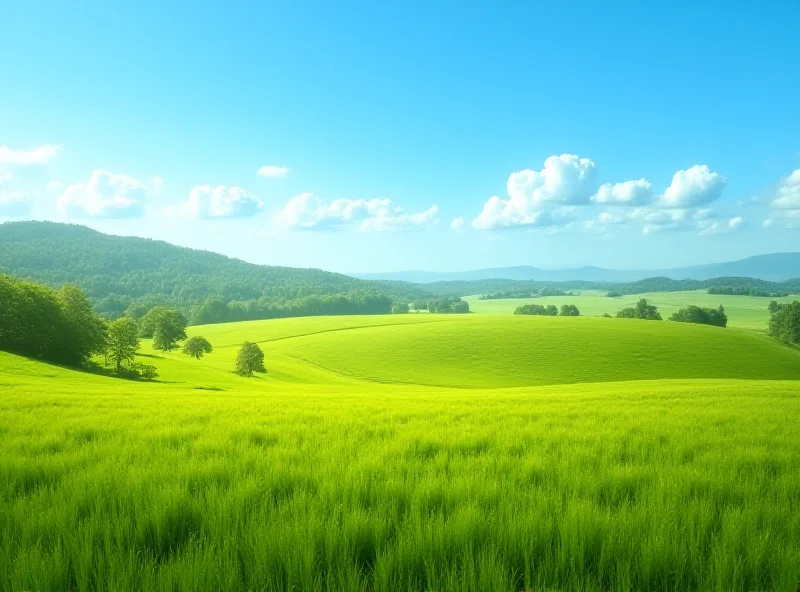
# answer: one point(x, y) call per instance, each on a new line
point(744, 312)
point(323, 475)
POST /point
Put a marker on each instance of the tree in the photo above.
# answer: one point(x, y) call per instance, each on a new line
point(197, 346)
point(250, 359)
point(642, 310)
point(400, 308)
point(87, 331)
point(461, 307)
point(703, 316)
point(122, 342)
point(551, 310)
point(165, 325)
point(785, 324)
point(773, 307)
point(569, 310)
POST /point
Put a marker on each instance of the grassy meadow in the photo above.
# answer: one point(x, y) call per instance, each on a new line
point(411, 452)
point(744, 312)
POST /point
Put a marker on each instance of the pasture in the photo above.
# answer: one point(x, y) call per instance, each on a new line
point(422, 452)
point(744, 312)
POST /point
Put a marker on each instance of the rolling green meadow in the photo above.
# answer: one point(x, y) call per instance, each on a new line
point(419, 452)
point(744, 312)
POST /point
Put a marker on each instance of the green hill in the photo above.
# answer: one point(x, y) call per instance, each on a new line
point(379, 453)
point(116, 271)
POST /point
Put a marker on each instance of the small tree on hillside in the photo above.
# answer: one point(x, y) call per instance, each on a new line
point(773, 307)
point(570, 310)
point(197, 346)
point(551, 310)
point(122, 342)
point(642, 310)
point(250, 359)
point(400, 308)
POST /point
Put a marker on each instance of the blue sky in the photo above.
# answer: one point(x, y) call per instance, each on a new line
point(409, 135)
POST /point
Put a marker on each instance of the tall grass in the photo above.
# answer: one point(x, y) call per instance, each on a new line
point(661, 485)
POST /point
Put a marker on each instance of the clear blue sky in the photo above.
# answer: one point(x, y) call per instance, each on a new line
point(154, 119)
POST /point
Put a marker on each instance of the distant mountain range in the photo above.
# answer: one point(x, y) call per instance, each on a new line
point(775, 267)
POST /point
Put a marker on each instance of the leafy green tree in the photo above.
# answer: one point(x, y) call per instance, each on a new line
point(773, 307)
point(249, 359)
point(122, 342)
point(461, 307)
point(551, 310)
point(642, 310)
point(400, 308)
point(569, 310)
point(702, 316)
point(784, 325)
point(165, 325)
point(197, 346)
point(87, 331)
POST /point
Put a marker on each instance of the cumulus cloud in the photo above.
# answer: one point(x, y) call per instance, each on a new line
point(206, 202)
point(457, 224)
point(694, 187)
point(629, 193)
point(39, 155)
point(54, 184)
point(5, 179)
point(13, 204)
point(532, 195)
point(105, 195)
point(272, 170)
point(788, 195)
point(308, 212)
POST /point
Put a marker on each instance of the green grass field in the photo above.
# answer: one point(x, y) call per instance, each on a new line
point(425, 452)
point(744, 312)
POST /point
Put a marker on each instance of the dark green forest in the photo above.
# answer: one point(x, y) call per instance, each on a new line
point(128, 276)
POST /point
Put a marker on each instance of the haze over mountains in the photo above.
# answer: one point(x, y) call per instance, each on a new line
point(774, 267)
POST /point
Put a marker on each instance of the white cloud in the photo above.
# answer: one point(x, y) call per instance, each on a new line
point(105, 195)
point(693, 187)
point(54, 184)
point(457, 224)
point(208, 203)
point(156, 183)
point(654, 220)
point(273, 171)
point(13, 204)
point(629, 193)
point(783, 219)
point(5, 179)
point(564, 180)
point(708, 227)
point(307, 211)
point(39, 155)
point(788, 196)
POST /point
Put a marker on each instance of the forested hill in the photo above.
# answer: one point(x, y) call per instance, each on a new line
point(116, 272)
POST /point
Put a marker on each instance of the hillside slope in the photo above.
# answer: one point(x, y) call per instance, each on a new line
point(132, 267)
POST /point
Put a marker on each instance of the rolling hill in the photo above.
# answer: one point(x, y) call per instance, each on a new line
point(115, 271)
point(410, 452)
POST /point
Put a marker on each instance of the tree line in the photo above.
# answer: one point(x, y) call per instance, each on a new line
point(444, 305)
point(550, 310)
point(537, 293)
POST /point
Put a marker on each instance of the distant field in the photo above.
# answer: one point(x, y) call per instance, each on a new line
point(380, 453)
point(744, 312)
